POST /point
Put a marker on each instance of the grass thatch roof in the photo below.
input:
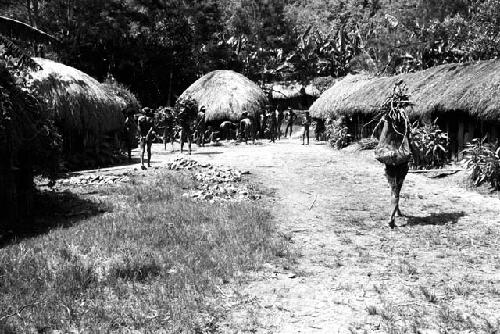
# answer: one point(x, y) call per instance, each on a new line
point(226, 95)
point(123, 96)
point(471, 88)
point(75, 100)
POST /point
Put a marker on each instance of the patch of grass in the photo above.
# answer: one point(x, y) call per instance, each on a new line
point(429, 294)
point(153, 263)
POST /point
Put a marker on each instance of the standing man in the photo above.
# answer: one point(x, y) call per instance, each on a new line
point(185, 122)
point(319, 131)
point(146, 134)
point(168, 127)
point(281, 116)
point(129, 133)
point(273, 125)
point(201, 127)
point(306, 123)
point(263, 122)
point(290, 118)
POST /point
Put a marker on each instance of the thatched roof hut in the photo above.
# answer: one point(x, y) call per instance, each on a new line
point(469, 88)
point(76, 101)
point(226, 95)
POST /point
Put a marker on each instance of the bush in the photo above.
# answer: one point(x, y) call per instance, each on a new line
point(430, 146)
point(483, 160)
point(338, 135)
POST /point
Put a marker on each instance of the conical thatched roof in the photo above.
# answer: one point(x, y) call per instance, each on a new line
point(75, 100)
point(226, 95)
point(471, 88)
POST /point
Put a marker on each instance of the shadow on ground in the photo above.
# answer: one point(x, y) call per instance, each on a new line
point(207, 153)
point(435, 219)
point(54, 209)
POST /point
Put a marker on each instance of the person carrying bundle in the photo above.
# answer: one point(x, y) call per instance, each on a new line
point(394, 148)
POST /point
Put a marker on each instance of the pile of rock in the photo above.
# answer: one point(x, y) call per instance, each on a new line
point(214, 184)
point(93, 180)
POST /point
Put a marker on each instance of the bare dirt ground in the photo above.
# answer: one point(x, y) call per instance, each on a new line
point(439, 272)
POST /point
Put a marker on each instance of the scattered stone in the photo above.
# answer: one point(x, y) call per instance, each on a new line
point(215, 184)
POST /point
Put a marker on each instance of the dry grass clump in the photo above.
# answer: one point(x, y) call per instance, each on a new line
point(226, 95)
point(155, 263)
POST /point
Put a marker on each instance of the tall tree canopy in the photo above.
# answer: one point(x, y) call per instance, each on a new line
point(158, 47)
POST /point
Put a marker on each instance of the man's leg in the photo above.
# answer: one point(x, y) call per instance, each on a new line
point(182, 137)
point(307, 134)
point(165, 134)
point(143, 148)
point(149, 144)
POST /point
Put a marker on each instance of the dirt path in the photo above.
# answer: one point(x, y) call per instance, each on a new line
point(439, 272)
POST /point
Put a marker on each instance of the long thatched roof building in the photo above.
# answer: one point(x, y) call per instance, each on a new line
point(469, 88)
point(226, 95)
point(464, 97)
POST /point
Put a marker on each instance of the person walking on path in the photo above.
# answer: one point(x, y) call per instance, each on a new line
point(290, 118)
point(306, 123)
point(146, 134)
point(394, 148)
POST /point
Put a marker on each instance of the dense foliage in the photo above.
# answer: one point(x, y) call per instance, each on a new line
point(28, 139)
point(159, 47)
point(483, 160)
point(338, 135)
point(430, 146)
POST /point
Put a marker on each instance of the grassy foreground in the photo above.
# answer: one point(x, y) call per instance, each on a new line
point(155, 263)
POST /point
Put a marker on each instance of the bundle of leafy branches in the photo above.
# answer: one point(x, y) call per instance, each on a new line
point(186, 108)
point(483, 160)
point(394, 126)
point(28, 139)
point(394, 109)
point(430, 146)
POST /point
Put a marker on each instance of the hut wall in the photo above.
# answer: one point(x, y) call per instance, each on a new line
point(462, 128)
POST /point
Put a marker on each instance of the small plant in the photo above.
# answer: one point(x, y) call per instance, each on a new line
point(483, 160)
point(430, 146)
point(338, 135)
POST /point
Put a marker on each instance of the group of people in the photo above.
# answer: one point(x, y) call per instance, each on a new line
point(269, 124)
point(186, 127)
